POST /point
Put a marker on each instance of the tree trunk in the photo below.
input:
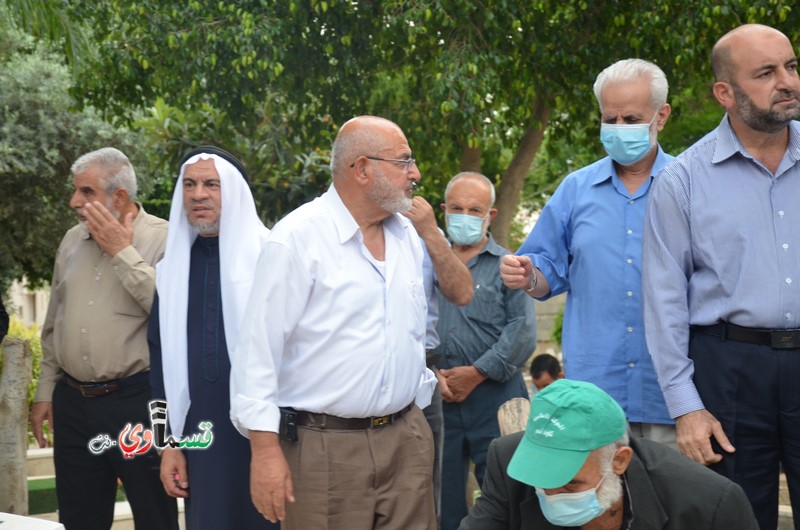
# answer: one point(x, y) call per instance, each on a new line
point(470, 160)
point(511, 186)
point(14, 381)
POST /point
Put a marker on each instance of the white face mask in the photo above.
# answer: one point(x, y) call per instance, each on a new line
point(627, 144)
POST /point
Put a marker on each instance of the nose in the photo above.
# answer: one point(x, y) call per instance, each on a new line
point(75, 201)
point(788, 79)
point(199, 192)
point(414, 174)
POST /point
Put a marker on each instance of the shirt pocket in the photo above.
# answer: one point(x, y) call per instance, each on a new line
point(486, 307)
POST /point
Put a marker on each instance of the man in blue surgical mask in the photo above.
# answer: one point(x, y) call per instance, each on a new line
point(483, 344)
point(574, 466)
point(588, 243)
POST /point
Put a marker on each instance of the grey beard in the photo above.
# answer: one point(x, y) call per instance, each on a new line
point(207, 229)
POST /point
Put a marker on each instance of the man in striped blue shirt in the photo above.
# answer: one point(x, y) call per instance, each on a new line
point(722, 275)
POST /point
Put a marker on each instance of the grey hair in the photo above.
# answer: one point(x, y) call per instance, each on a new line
point(118, 173)
point(631, 70)
point(473, 175)
point(610, 490)
point(352, 142)
point(606, 452)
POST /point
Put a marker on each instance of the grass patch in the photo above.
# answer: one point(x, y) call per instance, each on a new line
point(42, 495)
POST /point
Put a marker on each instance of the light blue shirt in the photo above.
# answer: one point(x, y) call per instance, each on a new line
point(588, 242)
point(722, 242)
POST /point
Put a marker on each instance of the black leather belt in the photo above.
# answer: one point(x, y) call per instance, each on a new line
point(783, 339)
point(326, 421)
point(104, 388)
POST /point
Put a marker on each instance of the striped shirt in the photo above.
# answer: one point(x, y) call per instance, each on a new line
point(721, 242)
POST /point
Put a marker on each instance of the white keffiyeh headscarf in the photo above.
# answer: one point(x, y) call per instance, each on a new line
point(241, 233)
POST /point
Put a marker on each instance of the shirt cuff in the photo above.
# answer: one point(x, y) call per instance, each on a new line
point(248, 414)
point(682, 399)
point(45, 388)
point(128, 256)
point(492, 368)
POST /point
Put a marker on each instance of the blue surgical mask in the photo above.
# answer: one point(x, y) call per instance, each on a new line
point(627, 144)
point(465, 229)
point(570, 509)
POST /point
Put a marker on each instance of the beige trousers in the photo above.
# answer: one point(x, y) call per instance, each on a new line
point(362, 480)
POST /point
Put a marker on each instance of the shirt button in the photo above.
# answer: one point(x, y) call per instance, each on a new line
point(104, 253)
point(629, 293)
point(85, 358)
point(83, 330)
point(788, 280)
point(785, 246)
point(630, 330)
point(632, 365)
point(780, 212)
point(630, 231)
point(788, 316)
point(97, 278)
point(91, 302)
point(630, 201)
point(116, 267)
point(629, 261)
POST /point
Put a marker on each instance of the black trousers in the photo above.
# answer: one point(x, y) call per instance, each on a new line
point(86, 483)
point(754, 391)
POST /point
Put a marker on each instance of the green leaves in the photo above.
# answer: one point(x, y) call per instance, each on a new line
point(40, 137)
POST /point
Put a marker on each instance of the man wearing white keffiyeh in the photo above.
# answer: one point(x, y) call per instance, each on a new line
point(202, 287)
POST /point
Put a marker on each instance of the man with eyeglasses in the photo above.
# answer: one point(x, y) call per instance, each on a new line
point(483, 344)
point(330, 375)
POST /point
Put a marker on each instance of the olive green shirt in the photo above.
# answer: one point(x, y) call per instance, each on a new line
point(96, 324)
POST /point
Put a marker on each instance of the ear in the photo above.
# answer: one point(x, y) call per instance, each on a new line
point(724, 93)
point(443, 206)
point(663, 116)
point(119, 198)
point(492, 214)
point(361, 173)
point(621, 460)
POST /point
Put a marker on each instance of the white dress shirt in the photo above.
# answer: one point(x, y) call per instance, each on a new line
point(328, 328)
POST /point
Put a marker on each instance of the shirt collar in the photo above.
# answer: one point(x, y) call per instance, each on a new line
point(346, 225)
point(728, 143)
point(493, 248)
point(607, 170)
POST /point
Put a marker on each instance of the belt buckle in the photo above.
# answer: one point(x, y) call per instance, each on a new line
point(98, 390)
point(380, 421)
point(784, 339)
point(85, 391)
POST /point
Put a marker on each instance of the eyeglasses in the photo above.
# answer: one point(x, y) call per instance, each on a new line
point(409, 162)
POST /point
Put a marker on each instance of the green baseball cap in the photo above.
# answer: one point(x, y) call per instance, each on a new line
point(568, 420)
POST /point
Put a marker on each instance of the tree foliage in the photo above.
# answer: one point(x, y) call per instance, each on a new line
point(40, 137)
point(476, 85)
point(48, 21)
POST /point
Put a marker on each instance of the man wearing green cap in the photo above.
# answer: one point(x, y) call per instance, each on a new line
point(575, 467)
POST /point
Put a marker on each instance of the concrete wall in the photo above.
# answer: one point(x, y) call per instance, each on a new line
point(29, 306)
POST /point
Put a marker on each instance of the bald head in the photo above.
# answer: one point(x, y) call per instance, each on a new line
point(723, 54)
point(474, 176)
point(363, 135)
